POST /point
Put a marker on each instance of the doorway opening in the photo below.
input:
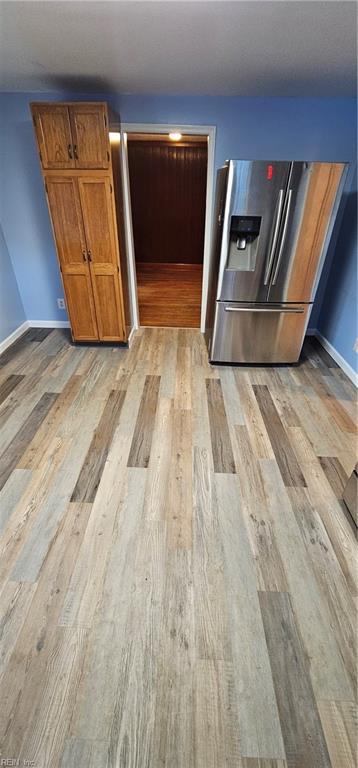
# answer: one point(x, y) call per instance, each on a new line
point(168, 193)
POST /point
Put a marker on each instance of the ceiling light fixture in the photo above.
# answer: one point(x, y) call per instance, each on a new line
point(175, 136)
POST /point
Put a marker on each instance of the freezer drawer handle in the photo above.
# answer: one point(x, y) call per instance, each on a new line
point(283, 238)
point(287, 311)
point(275, 236)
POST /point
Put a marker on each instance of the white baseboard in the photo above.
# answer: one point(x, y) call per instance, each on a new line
point(31, 324)
point(48, 323)
point(337, 357)
point(13, 336)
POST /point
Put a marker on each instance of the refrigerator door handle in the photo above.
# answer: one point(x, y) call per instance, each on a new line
point(288, 311)
point(283, 238)
point(275, 236)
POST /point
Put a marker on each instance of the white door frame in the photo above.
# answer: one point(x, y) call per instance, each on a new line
point(199, 130)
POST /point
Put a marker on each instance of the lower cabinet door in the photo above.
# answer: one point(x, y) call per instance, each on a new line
point(65, 209)
point(97, 207)
point(107, 300)
point(80, 304)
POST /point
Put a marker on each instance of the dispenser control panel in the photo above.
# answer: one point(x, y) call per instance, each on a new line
point(246, 225)
point(244, 231)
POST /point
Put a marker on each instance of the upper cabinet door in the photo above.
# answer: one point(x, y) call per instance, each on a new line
point(90, 135)
point(64, 204)
point(53, 131)
point(98, 217)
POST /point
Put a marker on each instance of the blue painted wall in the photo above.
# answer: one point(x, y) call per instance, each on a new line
point(12, 312)
point(24, 214)
point(312, 129)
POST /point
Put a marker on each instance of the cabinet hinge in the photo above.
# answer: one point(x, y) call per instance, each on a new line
point(40, 156)
point(107, 155)
point(117, 268)
point(110, 186)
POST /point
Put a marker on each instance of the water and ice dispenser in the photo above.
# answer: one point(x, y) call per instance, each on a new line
point(244, 238)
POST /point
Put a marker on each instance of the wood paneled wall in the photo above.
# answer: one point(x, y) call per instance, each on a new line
point(168, 193)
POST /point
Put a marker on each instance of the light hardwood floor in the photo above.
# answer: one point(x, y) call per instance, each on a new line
point(178, 570)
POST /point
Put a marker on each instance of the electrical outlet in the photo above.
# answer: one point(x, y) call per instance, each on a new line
point(61, 303)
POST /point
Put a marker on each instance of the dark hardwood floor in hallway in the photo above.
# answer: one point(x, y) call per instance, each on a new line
point(178, 572)
point(169, 294)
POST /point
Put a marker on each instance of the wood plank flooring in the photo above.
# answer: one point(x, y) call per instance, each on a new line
point(169, 294)
point(178, 577)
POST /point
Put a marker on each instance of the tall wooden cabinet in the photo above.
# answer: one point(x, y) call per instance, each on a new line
point(75, 155)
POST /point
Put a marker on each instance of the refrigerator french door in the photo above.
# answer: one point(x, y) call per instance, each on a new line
point(273, 224)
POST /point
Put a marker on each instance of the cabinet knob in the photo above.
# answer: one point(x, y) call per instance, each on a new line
point(75, 151)
point(89, 254)
point(69, 151)
point(84, 255)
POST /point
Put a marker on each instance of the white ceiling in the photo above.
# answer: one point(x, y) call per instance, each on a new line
point(260, 47)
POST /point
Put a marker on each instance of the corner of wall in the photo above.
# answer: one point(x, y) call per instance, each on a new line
point(12, 312)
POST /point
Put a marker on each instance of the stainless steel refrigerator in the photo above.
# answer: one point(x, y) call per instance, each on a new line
point(273, 221)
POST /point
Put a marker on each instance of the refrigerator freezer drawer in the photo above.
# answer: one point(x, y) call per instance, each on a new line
point(245, 333)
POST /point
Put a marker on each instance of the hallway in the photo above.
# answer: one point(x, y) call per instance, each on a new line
point(168, 181)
